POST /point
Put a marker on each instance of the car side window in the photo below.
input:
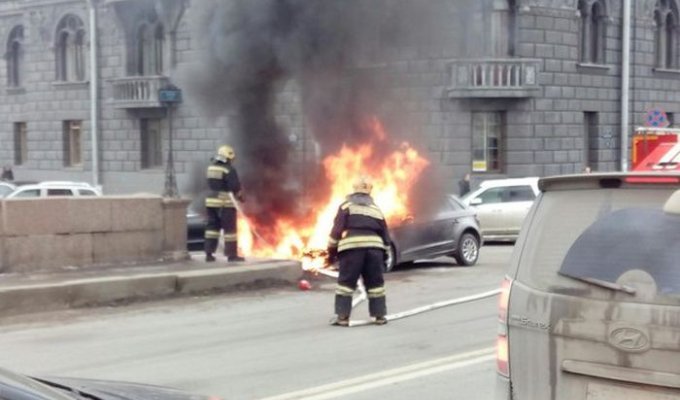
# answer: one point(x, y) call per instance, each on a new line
point(491, 196)
point(59, 192)
point(28, 193)
point(518, 193)
point(86, 192)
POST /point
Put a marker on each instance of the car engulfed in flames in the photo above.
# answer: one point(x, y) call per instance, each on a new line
point(393, 177)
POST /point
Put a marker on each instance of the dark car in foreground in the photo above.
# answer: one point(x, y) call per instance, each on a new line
point(15, 386)
point(449, 229)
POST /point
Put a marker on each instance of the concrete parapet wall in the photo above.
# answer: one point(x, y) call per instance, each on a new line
point(57, 233)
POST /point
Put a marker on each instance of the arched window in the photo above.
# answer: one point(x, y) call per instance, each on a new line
point(143, 45)
point(599, 34)
point(159, 43)
point(666, 19)
point(503, 25)
point(15, 56)
point(593, 31)
point(150, 42)
point(70, 49)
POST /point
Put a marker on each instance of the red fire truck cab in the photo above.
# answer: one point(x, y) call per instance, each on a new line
point(656, 149)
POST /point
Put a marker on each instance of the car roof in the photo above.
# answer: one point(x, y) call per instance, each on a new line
point(604, 180)
point(509, 182)
point(63, 183)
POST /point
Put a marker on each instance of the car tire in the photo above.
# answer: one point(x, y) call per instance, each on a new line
point(467, 252)
point(390, 263)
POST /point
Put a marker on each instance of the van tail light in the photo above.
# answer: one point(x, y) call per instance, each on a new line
point(502, 356)
point(502, 349)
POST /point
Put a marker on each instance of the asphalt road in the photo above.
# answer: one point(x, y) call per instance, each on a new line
point(277, 344)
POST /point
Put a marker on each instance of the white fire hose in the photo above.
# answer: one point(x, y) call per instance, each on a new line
point(403, 314)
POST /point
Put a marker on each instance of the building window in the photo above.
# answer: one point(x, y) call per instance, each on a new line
point(666, 20)
point(590, 139)
point(20, 143)
point(70, 48)
point(152, 150)
point(150, 46)
point(487, 139)
point(15, 56)
point(593, 31)
point(73, 144)
point(504, 27)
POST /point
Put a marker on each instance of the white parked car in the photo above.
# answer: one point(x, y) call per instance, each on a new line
point(6, 188)
point(502, 205)
point(54, 188)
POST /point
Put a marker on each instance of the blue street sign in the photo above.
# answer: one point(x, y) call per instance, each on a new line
point(170, 94)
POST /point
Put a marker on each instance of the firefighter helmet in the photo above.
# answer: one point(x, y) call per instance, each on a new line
point(226, 152)
point(362, 184)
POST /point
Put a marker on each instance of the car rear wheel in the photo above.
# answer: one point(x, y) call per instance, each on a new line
point(391, 260)
point(468, 250)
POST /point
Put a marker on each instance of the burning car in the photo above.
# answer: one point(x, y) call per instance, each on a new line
point(450, 229)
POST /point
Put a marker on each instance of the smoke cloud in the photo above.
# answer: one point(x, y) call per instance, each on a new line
point(328, 48)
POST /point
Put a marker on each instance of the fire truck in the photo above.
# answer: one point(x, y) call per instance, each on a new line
point(656, 149)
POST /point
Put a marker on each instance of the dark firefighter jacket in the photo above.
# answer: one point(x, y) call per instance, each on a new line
point(359, 223)
point(222, 180)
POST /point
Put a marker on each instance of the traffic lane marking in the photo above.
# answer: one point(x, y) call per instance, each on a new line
point(391, 376)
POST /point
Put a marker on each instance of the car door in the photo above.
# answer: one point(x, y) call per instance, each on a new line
point(516, 202)
point(489, 206)
point(427, 233)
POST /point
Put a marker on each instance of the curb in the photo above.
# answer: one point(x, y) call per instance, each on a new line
point(96, 291)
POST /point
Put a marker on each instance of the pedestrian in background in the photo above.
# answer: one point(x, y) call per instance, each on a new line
point(464, 185)
point(359, 240)
point(7, 173)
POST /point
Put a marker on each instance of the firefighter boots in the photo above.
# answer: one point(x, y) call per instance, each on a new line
point(209, 258)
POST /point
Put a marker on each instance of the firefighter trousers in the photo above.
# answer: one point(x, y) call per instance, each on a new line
point(368, 264)
point(221, 218)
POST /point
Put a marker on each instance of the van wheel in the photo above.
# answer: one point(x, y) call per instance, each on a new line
point(391, 260)
point(468, 250)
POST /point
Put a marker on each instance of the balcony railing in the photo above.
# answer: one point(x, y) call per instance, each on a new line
point(494, 78)
point(137, 91)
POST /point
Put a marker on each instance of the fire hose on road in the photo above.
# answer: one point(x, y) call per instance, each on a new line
point(325, 270)
point(361, 290)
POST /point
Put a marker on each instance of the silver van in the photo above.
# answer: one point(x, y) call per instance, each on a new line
point(590, 306)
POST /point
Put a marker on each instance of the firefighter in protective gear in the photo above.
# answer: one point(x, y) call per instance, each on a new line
point(359, 240)
point(224, 187)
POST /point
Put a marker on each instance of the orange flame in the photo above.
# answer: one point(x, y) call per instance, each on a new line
point(392, 180)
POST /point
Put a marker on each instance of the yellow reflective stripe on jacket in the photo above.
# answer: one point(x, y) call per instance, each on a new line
point(356, 242)
point(216, 172)
point(213, 202)
point(212, 234)
point(341, 290)
point(230, 237)
point(376, 292)
point(332, 242)
point(369, 211)
point(220, 201)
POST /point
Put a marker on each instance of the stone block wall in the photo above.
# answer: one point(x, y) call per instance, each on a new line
point(56, 233)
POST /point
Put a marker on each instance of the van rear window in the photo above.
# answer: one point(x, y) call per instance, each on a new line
point(628, 239)
point(600, 234)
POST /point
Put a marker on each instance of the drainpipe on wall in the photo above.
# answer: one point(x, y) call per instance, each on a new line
point(94, 92)
point(625, 85)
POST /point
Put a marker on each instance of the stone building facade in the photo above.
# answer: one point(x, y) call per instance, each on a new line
point(504, 88)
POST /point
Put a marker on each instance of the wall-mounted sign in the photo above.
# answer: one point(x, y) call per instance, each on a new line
point(656, 118)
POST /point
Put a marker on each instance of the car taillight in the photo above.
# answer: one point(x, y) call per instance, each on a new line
point(652, 179)
point(502, 350)
point(502, 356)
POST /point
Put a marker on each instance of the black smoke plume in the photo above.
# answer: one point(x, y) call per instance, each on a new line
point(256, 46)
